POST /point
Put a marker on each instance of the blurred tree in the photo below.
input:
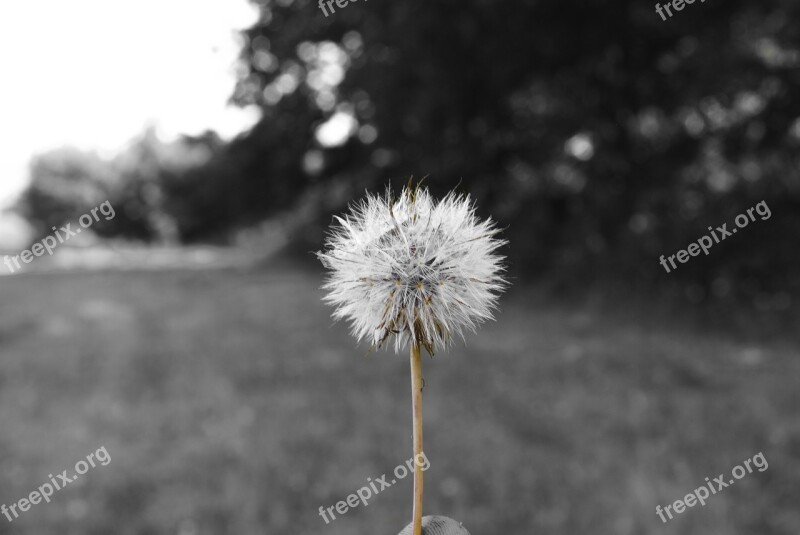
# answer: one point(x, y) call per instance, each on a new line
point(66, 183)
point(602, 134)
point(63, 183)
point(250, 178)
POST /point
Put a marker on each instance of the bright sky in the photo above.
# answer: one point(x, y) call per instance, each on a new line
point(95, 73)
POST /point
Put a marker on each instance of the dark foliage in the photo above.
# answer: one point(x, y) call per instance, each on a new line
point(602, 136)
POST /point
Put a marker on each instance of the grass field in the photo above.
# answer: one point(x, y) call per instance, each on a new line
point(230, 404)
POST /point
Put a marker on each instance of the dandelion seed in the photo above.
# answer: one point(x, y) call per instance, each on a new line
point(419, 271)
point(413, 269)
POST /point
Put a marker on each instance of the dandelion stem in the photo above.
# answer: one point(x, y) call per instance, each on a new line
point(416, 403)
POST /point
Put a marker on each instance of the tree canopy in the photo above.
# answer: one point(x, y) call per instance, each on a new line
point(600, 134)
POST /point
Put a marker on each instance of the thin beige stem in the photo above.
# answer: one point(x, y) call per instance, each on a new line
point(416, 402)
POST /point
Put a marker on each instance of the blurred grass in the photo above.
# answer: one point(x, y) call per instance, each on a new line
point(230, 404)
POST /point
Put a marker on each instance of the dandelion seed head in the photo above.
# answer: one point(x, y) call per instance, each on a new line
point(412, 269)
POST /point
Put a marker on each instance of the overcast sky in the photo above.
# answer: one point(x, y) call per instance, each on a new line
point(94, 73)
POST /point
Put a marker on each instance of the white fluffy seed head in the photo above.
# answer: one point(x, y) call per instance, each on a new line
point(412, 268)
